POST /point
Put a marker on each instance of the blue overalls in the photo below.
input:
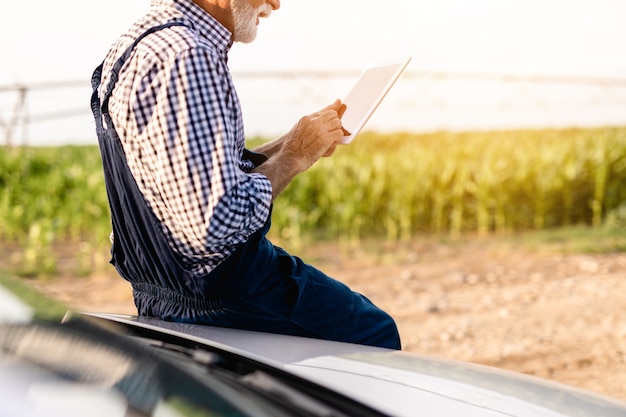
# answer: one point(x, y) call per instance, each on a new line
point(259, 287)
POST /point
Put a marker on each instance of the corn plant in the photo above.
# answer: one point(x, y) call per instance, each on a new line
point(392, 186)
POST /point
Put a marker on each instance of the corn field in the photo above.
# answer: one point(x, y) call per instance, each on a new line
point(401, 185)
point(384, 186)
point(49, 198)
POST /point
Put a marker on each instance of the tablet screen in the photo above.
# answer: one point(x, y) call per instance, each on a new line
point(372, 86)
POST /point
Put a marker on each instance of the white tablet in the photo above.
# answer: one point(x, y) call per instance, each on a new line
point(372, 86)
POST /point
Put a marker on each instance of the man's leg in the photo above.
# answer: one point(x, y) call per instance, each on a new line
point(331, 310)
point(264, 288)
point(297, 299)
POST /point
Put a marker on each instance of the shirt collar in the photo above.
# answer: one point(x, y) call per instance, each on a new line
point(199, 20)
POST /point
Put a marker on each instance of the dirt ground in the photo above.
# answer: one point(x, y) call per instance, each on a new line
point(554, 315)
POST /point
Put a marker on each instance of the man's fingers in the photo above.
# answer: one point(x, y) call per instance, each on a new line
point(342, 110)
point(331, 117)
point(333, 106)
point(330, 150)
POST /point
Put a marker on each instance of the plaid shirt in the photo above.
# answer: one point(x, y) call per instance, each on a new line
point(176, 111)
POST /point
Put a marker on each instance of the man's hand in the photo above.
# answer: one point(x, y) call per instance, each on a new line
point(340, 112)
point(313, 137)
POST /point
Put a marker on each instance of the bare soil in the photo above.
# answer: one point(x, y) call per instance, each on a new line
point(541, 312)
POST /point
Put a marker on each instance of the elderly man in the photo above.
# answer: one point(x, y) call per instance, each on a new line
point(190, 205)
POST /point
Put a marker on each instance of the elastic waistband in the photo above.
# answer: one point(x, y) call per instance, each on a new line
point(168, 296)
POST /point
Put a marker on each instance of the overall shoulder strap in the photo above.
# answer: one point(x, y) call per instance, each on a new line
point(115, 71)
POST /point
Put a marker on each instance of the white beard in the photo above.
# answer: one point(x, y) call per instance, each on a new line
point(245, 19)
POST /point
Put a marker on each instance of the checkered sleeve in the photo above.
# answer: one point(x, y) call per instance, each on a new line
point(208, 201)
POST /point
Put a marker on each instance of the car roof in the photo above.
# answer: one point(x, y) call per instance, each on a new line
point(395, 382)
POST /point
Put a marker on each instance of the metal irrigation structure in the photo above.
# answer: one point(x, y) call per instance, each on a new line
point(19, 116)
point(16, 115)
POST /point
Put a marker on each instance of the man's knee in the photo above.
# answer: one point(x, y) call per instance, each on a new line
point(389, 337)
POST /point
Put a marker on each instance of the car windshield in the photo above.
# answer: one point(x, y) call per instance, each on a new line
point(80, 368)
point(68, 368)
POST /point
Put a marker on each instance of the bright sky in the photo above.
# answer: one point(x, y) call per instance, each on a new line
point(66, 39)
